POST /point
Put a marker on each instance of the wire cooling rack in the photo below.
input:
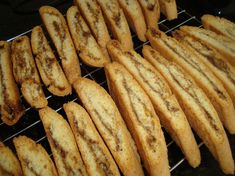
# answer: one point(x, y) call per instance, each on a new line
point(31, 125)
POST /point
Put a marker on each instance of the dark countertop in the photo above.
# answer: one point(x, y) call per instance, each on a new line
point(14, 21)
point(25, 16)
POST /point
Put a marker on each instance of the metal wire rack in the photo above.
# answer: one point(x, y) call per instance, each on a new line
point(31, 125)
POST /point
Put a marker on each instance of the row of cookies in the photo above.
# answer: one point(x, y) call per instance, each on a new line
point(84, 22)
point(198, 65)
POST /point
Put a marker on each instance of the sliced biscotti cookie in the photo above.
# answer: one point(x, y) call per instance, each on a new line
point(223, 44)
point(198, 109)
point(89, 51)
point(25, 72)
point(165, 103)
point(92, 14)
point(169, 9)
point(62, 142)
point(59, 33)
point(151, 10)
point(219, 25)
point(213, 59)
point(173, 50)
point(110, 125)
point(11, 108)
point(116, 22)
point(95, 154)
point(33, 157)
point(135, 17)
point(51, 73)
point(138, 112)
point(9, 164)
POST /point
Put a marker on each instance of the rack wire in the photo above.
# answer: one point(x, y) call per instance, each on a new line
point(31, 125)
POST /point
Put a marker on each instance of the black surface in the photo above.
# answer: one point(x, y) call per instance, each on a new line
point(23, 17)
point(16, 18)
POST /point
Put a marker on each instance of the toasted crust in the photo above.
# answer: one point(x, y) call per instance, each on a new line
point(213, 59)
point(151, 11)
point(33, 157)
point(223, 44)
point(51, 73)
point(25, 72)
point(95, 154)
point(116, 22)
point(87, 47)
point(135, 17)
point(110, 125)
point(93, 16)
point(169, 9)
point(139, 115)
point(59, 33)
point(11, 108)
point(198, 109)
point(165, 103)
point(219, 25)
point(171, 49)
point(9, 164)
point(62, 142)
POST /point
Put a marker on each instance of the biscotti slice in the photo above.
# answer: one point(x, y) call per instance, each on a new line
point(95, 154)
point(219, 25)
point(9, 164)
point(165, 103)
point(135, 17)
point(151, 11)
point(87, 47)
point(213, 59)
point(92, 14)
point(173, 50)
point(62, 142)
point(116, 22)
point(59, 33)
point(25, 72)
point(51, 73)
point(33, 157)
point(138, 112)
point(169, 9)
point(198, 109)
point(223, 44)
point(110, 125)
point(11, 108)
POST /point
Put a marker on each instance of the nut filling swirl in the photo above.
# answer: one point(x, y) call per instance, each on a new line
point(187, 58)
point(95, 16)
point(187, 85)
point(143, 114)
point(6, 105)
point(116, 15)
point(30, 167)
point(59, 29)
point(157, 86)
point(213, 59)
point(77, 22)
point(106, 124)
point(22, 67)
point(226, 43)
point(93, 145)
point(85, 35)
point(47, 63)
point(12, 108)
point(64, 155)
